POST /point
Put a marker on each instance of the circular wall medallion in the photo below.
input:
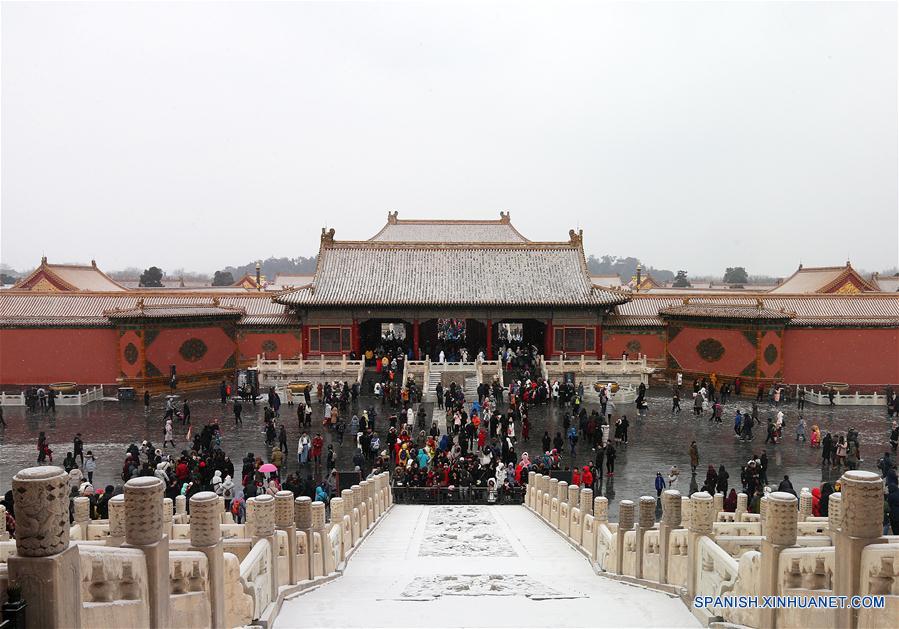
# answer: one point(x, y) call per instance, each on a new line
point(269, 346)
point(130, 353)
point(633, 347)
point(770, 354)
point(710, 350)
point(192, 350)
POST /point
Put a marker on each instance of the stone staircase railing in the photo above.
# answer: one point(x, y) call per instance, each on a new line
point(150, 565)
point(702, 553)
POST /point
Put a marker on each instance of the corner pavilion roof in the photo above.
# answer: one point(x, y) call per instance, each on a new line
point(68, 277)
point(824, 279)
point(364, 273)
point(445, 231)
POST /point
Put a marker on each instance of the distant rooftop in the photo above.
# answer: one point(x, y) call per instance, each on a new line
point(824, 279)
point(439, 230)
point(68, 277)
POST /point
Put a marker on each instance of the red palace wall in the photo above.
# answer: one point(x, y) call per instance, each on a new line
point(191, 350)
point(45, 355)
point(131, 353)
point(271, 343)
point(859, 356)
point(651, 344)
point(738, 358)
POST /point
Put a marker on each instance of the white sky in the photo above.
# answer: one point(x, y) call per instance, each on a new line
point(692, 135)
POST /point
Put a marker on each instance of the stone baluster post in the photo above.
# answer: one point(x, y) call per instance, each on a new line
point(780, 533)
point(284, 521)
point(4, 534)
point(562, 491)
point(45, 566)
point(671, 519)
point(861, 523)
point(805, 504)
point(763, 511)
point(319, 532)
point(362, 513)
point(206, 537)
point(264, 514)
point(144, 530)
point(116, 521)
point(601, 510)
point(366, 503)
point(302, 512)
point(701, 518)
point(532, 478)
point(625, 524)
point(180, 507)
point(82, 514)
point(168, 515)
point(686, 511)
point(586, 502)
point(553, 488)
point(834, 513)
point(646, 521)
point(717, 504)
point(348, 500)
point(337, 512)
point(742, 506)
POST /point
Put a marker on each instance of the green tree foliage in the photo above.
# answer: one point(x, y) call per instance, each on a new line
point(625, 268)
point(151, 277)
point(736, 275)
point(222, 278)
point(681, 281)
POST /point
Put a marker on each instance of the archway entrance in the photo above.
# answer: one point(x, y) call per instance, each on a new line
point(387, 335)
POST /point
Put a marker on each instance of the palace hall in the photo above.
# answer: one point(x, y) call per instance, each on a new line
point(449, 286)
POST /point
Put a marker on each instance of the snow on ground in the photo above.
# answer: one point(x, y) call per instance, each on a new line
point(391, 581)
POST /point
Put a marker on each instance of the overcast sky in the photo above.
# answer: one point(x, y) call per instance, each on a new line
point(691, 135)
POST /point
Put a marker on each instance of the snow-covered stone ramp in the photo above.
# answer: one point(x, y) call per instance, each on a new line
point(472, 566)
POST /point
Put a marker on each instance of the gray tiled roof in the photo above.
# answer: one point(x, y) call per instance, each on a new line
point(174, 311)
point(448, 231)
point(370, 273)
point(724, 311)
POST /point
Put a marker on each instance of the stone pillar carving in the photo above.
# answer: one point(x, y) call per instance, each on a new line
point(686, 511)
point(625, 524)
point(701, 518)
point(338, 510)
point(144, 530)
point(718, 503)
point(206, 537)
point(532, 478)
point(573, 495)
point(46, 568)
point(601, 510)
point(860, 514)
point(284, 521)
point(82, 514)
point(4, 534)
point(805, 504)
point(781, 516)
point(586, 502)
point(116, 520)
point(168, 515)
point(763, 511)
point(742, 506)
point(562, 491)
point(264, 514)
point(318, 536)
point(647, 521)
point(671, 519)
point(302, 515)
point(180, 505)
point(835, 512)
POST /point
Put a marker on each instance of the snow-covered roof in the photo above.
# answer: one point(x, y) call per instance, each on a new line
point(429, 230)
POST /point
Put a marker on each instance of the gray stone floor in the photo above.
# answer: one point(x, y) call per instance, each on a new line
point(655, 443)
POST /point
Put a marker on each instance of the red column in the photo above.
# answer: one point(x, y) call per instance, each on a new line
point(415, 337)
point(489, 339)
point(598, 337)
point(304, 341)
point(548, 340)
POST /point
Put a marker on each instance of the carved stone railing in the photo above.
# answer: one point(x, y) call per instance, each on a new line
point(704, 553)
point(209, 574)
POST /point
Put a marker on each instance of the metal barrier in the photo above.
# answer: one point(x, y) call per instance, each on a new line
point(458, 495)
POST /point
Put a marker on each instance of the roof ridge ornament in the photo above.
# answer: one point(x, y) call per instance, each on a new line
point(505, 217)
point(392, 217)
point(327, 236)
point(576, 237)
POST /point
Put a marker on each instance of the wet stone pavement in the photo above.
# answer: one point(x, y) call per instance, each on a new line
point(655, 442)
